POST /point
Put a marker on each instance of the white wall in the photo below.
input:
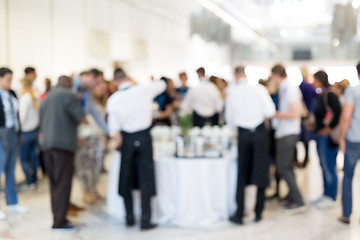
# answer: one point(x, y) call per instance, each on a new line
point(66, 36)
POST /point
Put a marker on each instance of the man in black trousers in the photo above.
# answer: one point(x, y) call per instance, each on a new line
point(129, 119)
point(247, 108)
point(60, 113)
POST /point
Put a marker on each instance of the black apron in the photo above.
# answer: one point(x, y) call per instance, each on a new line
point(137, 164)
point(253, 156)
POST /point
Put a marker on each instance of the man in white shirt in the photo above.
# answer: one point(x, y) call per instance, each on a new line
point(130, 113)
point(287, 135)
point(247, 108)
point(204, 101)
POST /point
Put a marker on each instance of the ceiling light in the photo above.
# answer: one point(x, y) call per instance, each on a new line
point(355, 4)
point(236, 23)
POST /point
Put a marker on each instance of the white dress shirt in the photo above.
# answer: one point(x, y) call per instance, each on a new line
point(205, 99)
point(248, 106)
point(288, 95)
point(10, 110)
point(29, 116)
point(130, 108)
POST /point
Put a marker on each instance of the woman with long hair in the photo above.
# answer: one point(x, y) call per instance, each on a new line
point(90, 154)
point(29, 121)
point(327, 113)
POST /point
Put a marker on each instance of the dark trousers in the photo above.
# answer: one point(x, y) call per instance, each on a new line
point(199, 121)
point(137, 172)
point(60, 168)
point(253, 167)
point(285, 164)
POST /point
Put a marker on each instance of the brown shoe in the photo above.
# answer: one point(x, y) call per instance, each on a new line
point(71, 213)
point(75, 207)
point(344, 220)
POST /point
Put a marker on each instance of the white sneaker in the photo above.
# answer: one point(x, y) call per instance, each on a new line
point(320, 199)
point(326, 203)
point(16, 209)
point(2, 215)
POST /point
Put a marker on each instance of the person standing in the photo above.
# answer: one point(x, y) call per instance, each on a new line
point(349, 142)
point(60, 113)
point(183, 89)
point(287, 135)
point(90, 155)
point(204, 101)
point(327, 114)
point(166, 105)
point(247, 108)
point(130, 116)
point(48, 87)
point(309, 97)
point(82, 88)
point(29, 105)
point(9, 141)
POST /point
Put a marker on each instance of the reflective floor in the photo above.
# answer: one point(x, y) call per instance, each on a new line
point(97, 224)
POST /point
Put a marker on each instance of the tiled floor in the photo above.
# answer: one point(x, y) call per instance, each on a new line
point(98, 225)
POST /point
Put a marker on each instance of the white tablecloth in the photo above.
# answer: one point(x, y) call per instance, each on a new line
point(190, 192)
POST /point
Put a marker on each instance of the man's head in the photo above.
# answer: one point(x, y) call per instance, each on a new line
point(358, 69)
point(239, 72)
point(65, 81)
point(201, 72)
point(92, 77)
point(119, 77)
point(5, 79)
point(183, 78)
point(278, 74)
point(30, 73)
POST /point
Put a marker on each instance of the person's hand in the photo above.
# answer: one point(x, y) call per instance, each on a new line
point(80, 142)
point(117, 139)
point(342, 145)
point(324, 131)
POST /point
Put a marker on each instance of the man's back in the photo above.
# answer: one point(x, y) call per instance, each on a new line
point(59, 114)
point(248, 106)
point(205, 99)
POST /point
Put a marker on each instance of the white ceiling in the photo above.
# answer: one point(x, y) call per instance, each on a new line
point(281, 22)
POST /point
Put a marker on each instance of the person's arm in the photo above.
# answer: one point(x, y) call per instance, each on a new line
point(229, 111)
point(346, 115)
point(268, 104)
point(345, 121)
point(167, 113)
point(75, 109)
point(24, 105)
point(155, 88)
point(114, 123)
point(293, 113)
point(97, 116)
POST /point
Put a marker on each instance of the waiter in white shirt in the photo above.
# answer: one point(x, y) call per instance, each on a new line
point(247, 108)
point(204, 101)
point(130, 117)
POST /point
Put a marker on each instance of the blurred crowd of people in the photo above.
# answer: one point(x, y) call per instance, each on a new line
point(66, 130)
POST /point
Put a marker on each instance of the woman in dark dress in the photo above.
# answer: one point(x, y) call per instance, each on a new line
point(166, 108)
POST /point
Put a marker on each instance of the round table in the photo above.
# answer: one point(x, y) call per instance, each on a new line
point(190, 192)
